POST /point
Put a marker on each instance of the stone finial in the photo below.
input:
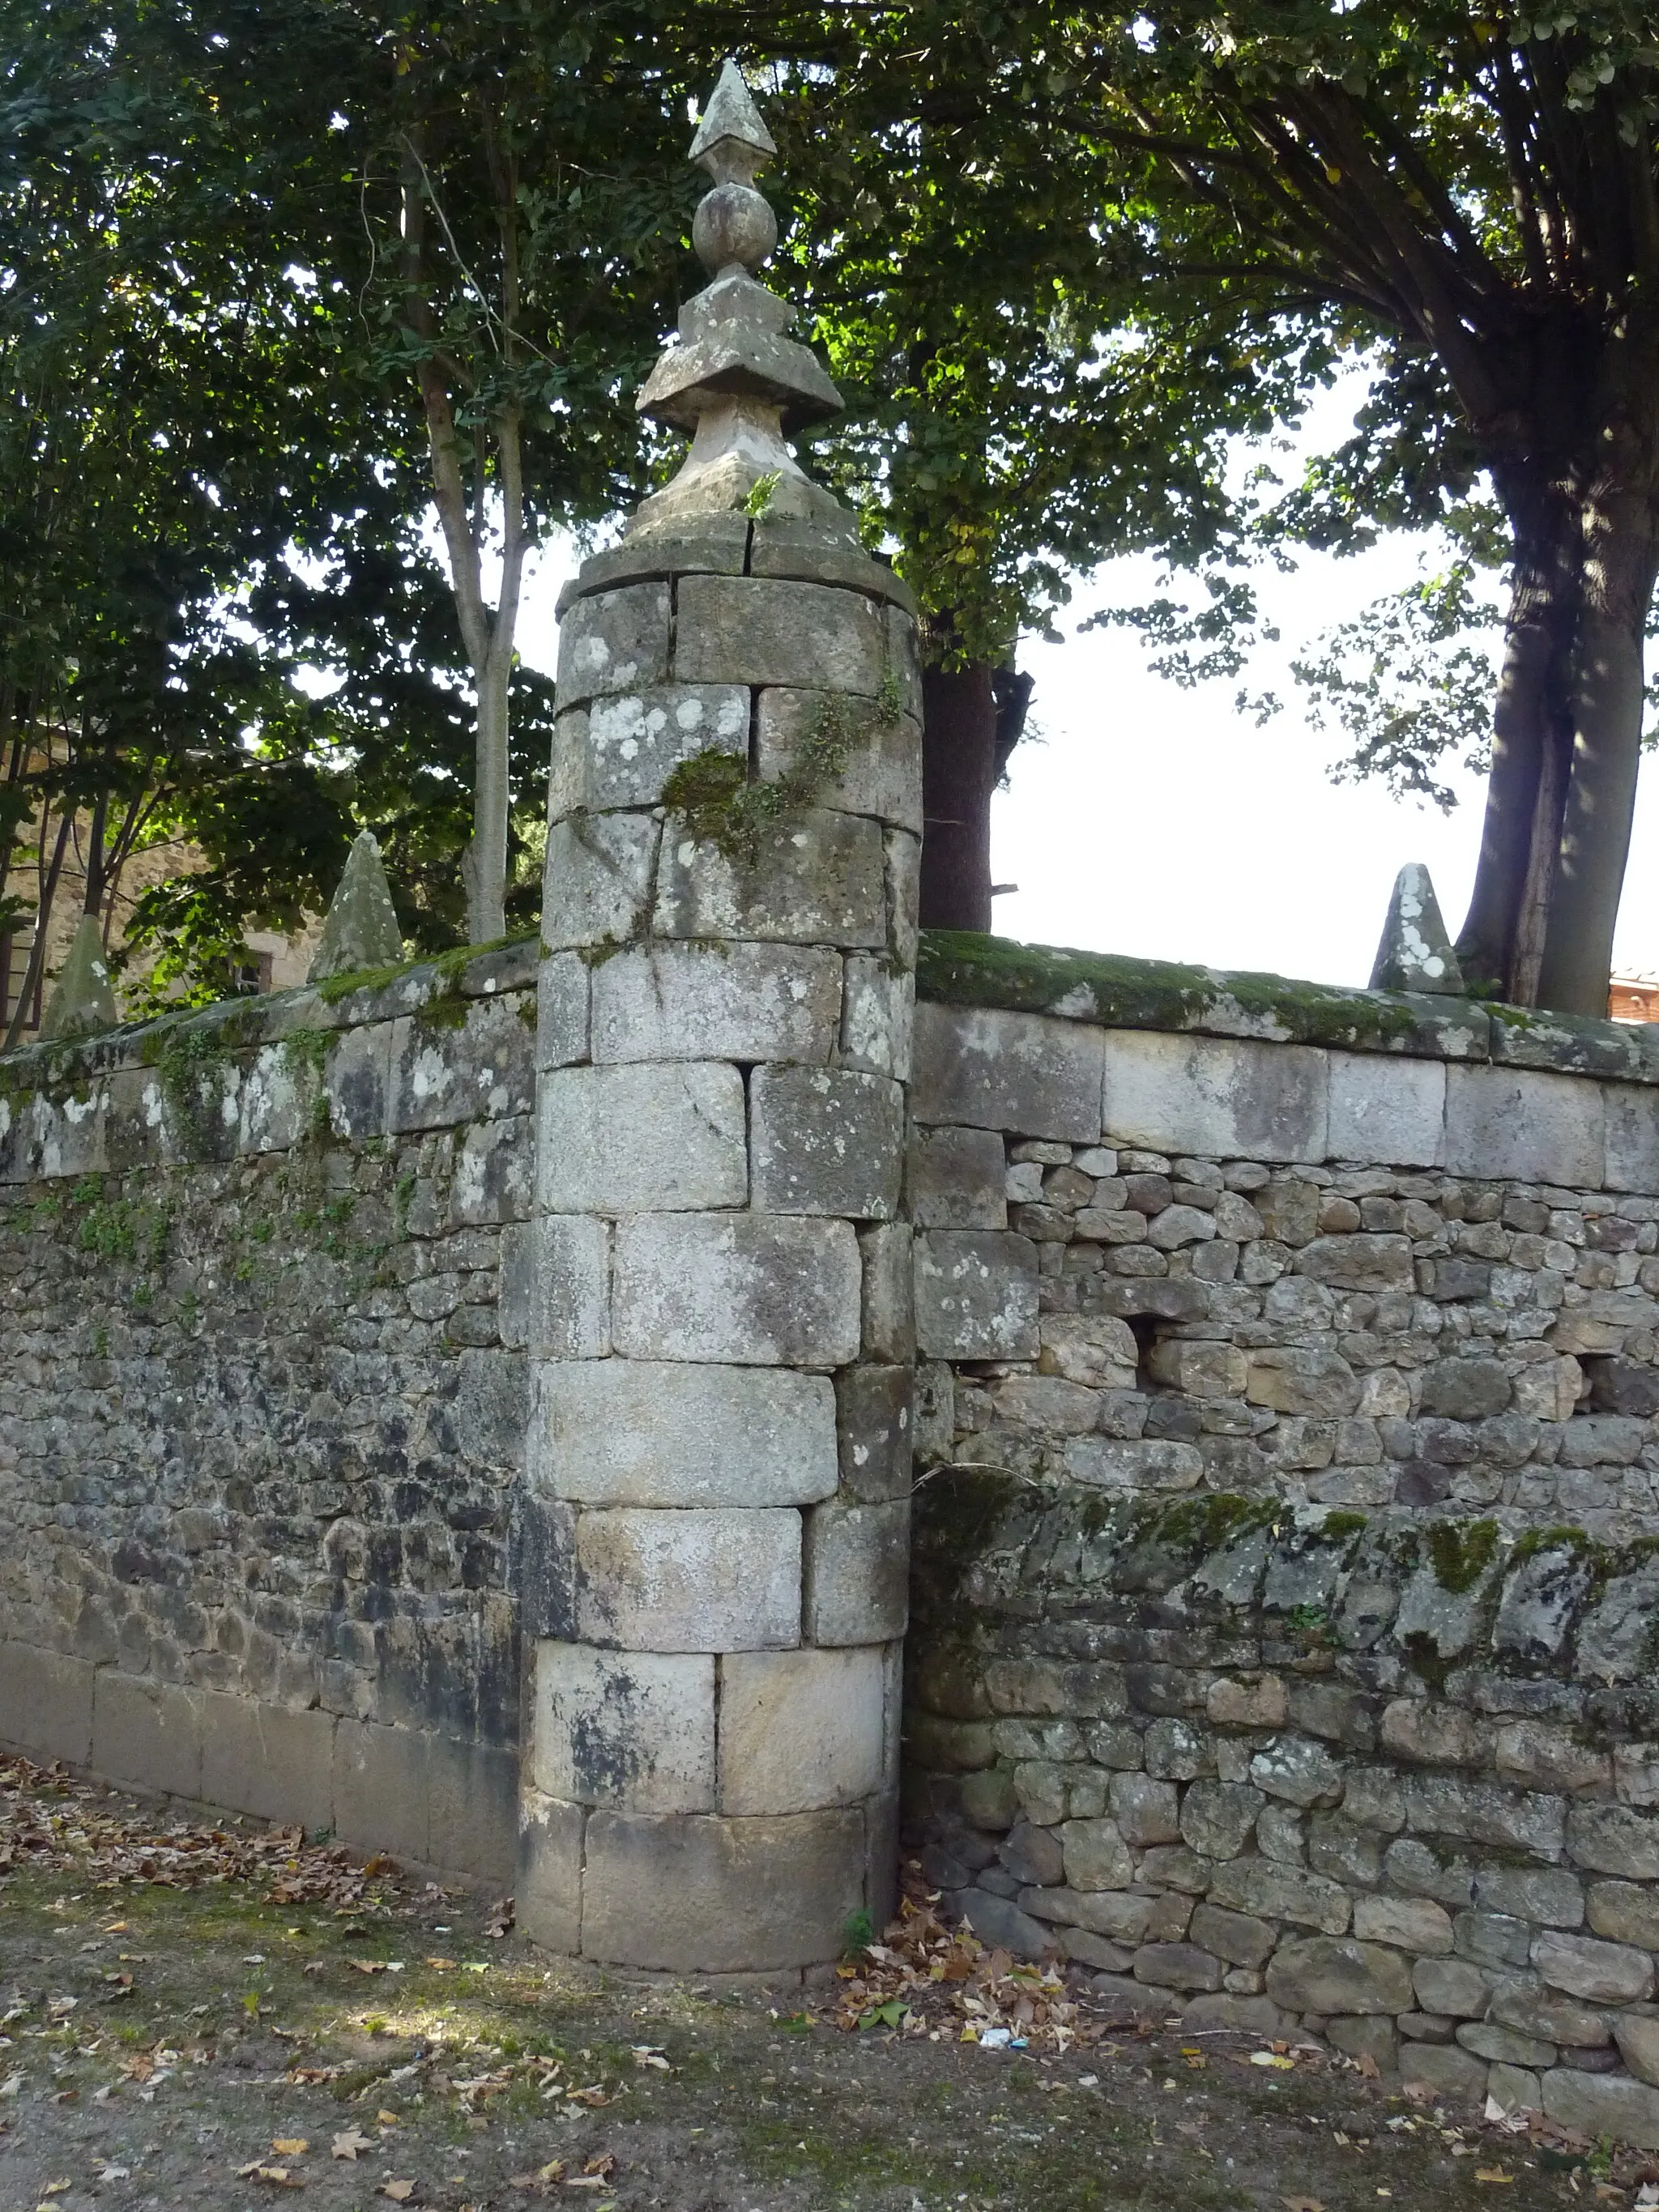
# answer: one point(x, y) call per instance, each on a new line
point(82, 999)
point(361, 929)
point(732, 378)
point(1415, 953)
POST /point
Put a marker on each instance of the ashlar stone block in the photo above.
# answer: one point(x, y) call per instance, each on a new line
point(749, 629)
point(874, 1425)
point(889, 1317)
point(858, 1572)
point(548, 1890)
point(689, 1581)
point(481, 1068)
point(1504, 1121)
point(989, 1069)
point(1631, 1125)
point(800, 1729)
point(827, 1141)
point(597, 883)
point(613, 641)
point(641, 1137)
point(819, 879)
point(1386, 1110)
point(744, 1002)
point(620, 750)
point(878, 1018)
point(561, 1010)
point(633, 1729)
point(649, 1432)
point(976, 1294)
point(712, 1895)
point(752, 1289)
point(883, 774)
point(958, 1179)
point(1218, 1098)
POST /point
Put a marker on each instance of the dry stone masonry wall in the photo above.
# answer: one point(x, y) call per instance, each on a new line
point(263, 1306)
point(1284, 1584)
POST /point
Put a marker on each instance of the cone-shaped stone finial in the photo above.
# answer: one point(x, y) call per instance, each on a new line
point(732, 141)
point(734, 379)
point(361, 929)
point(82, 999)
point(1415, 953)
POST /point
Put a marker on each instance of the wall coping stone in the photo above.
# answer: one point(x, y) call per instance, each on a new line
point(963, 968)
point(343, 1002)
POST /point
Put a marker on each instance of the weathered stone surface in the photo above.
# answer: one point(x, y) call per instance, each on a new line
point(615, 642)
point(1133, 1464)
point(1597, 2104)
point(689, 1581)
point(875, 1431)
point(633, 1730)
point(1298, 1769)
point(819, 879)
point(601, 869)
point(1146, 1811)
point(1452, 2073)
point(1096, 1855)
point(1358, 1263)
point(1454, 1986)
point(1550, 1894)
point(667, 1433)
point(547, 1889)
point(1177, 1967)
point(1625, 1911)
point(641, 1139)
point(1218, 1818)
point(1523, 2002)
point(827, 1140)
point(706, 1894)
point(1637, 2035)
point(442, 1076)
point(878, 1013)
point(955, 1179)
point(740, 1002)
point(621, 750)
point(746, 630)
point(1238, 1937)
point(800, 1729)
point(1614, 1839)
point(361, 928)
point(857, 1568)
point(1000, 1071)
point(1538, 1129)
point(1506, 2045)
point(1387, 1110)
point(750, 1289)
point(1316, 1973)
point(1319, 1384)
point(883, 771)
point(1412, 1923)
point(1269, 1890)
point(1632, 1138)
point(1515, 2089)
point(1220, 1098)
point(975, 1294)
point(1414, 952)
point(1602, 1973)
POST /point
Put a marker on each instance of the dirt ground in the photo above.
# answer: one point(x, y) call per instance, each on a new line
point(200, 2016)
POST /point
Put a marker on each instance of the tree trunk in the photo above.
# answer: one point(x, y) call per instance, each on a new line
point(484, 864)
point(1607, 700)
point(1501, 937)
point(958, 774)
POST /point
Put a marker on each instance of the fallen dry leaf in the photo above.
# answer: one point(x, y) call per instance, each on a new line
point(398, 2192)
point(351, 2142)
point(290, 2146)
point(369, 1965)
point(1368, 2066)
point(605, 2164)
point(1492, 2174)
point(386, 2119)
point(443, 1966)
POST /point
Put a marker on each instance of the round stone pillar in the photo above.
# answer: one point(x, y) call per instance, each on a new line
point(713, 1544)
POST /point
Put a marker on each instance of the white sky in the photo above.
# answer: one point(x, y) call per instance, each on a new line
point(1157, 822)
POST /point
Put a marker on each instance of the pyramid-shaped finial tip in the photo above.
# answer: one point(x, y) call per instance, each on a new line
point(731, 114)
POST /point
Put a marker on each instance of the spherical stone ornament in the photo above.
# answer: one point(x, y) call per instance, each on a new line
point(734, 223)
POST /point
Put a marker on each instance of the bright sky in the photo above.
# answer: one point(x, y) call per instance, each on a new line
point(1157, 821)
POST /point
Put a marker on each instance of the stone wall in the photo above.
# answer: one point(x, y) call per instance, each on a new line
point(262, 1405)
point(1283, 1599)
